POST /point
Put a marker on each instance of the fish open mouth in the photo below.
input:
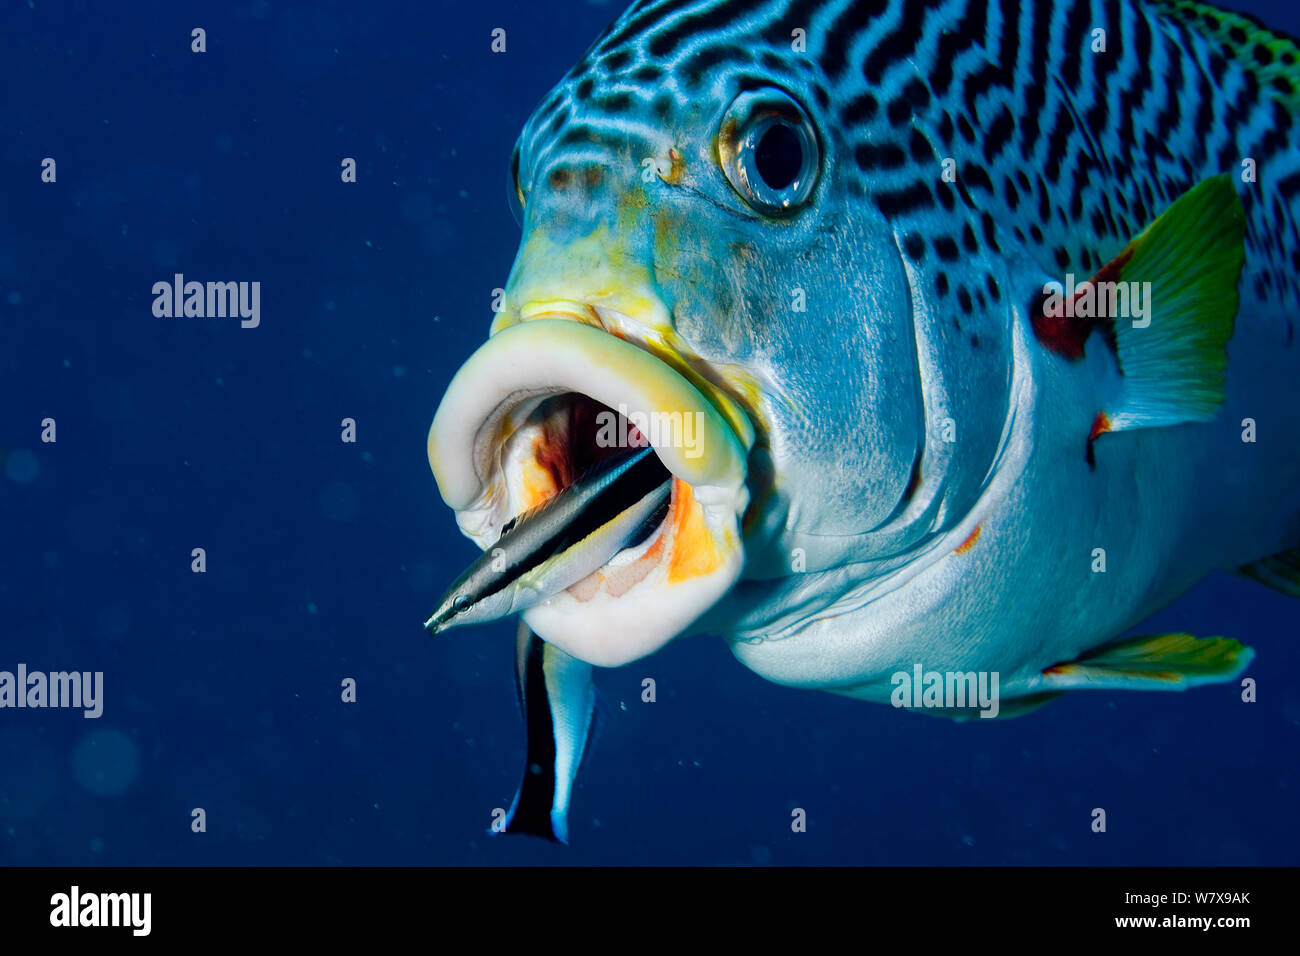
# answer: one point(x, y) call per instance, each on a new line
point(543, 401)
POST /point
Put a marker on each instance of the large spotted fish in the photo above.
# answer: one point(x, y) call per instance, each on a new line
point(965, 328)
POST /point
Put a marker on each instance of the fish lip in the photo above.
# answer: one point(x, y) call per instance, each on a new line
point(620, 613)
point(521, 365)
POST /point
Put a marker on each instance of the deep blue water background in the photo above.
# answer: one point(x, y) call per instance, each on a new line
point(223, 689)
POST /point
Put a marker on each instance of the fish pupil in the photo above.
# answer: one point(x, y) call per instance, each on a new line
point(779, 156)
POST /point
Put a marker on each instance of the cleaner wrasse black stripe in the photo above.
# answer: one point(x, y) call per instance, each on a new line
point(555, 545)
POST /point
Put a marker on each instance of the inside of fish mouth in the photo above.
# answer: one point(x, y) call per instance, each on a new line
point(570, 433)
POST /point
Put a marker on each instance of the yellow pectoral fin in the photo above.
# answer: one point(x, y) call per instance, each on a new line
point(1160, 662)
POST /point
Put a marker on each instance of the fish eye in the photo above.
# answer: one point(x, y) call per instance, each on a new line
point(768, 150)
point(460, 603)
point(516, 193)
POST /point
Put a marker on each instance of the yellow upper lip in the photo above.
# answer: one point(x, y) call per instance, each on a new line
point(659, 340)
point(549, 356)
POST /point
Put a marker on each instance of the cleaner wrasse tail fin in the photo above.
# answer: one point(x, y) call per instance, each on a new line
point(557, 697)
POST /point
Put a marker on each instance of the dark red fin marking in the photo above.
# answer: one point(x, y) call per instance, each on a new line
point(1100, 425)
point(1065, 334)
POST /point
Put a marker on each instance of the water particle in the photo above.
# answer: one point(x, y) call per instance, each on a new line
point(338, 501)
point(105, 762)
point(22, 466)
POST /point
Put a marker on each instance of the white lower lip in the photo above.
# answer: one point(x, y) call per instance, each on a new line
point(479, 447)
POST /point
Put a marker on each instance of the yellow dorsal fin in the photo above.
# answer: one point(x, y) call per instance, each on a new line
point(1273, 57)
